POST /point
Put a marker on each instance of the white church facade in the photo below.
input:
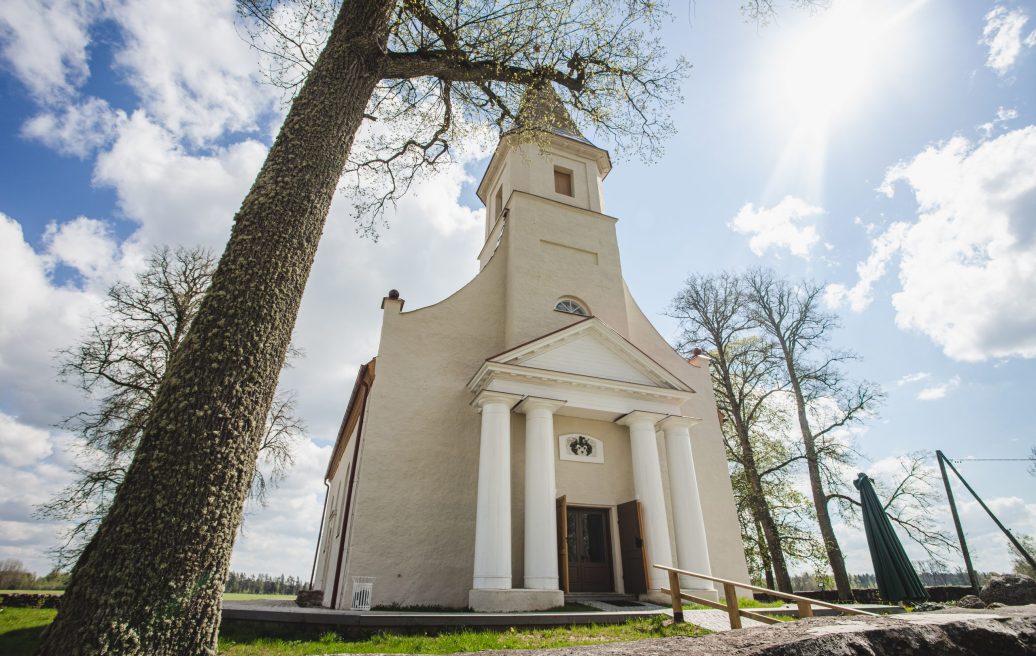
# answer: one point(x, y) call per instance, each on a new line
point(532, 435)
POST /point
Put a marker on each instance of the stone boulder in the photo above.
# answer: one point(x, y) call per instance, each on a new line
point(309, 598)
point(927, 607)
point(970, 601)
point(1009, 589)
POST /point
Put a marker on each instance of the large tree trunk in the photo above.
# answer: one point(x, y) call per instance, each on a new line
point(151, 580)
point(816, 485)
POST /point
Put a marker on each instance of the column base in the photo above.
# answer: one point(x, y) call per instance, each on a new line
point(518, 600)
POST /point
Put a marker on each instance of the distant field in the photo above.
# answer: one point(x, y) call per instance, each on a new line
point(230, 596)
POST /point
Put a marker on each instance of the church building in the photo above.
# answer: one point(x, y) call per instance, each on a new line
point(532, 435)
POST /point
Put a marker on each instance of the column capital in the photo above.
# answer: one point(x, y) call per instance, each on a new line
point(488, 396)
point(678, 421)
point(536, 402)
point(640, 417)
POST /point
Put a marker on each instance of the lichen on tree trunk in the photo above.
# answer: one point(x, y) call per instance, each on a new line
point(151, 580)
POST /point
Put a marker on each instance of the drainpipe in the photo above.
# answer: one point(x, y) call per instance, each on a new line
point(320, 533)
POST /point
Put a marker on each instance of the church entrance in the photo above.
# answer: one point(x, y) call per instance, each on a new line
point(589, 550)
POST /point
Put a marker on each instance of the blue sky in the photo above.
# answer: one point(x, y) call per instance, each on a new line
point(888, 149)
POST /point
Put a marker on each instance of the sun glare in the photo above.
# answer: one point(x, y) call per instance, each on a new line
point(827, 70)
point(831, 66)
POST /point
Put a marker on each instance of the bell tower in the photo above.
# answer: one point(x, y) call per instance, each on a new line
point(543, 191)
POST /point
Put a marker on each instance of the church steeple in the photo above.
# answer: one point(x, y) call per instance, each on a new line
point(544, 154)
point(542, 110)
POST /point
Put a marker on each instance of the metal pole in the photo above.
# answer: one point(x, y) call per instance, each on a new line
point(956, 521)
point(1017, 545)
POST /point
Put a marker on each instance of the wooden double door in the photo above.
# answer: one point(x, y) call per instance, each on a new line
point(585, 548)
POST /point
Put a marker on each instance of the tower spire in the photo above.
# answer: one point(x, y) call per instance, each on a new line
point(541, 110)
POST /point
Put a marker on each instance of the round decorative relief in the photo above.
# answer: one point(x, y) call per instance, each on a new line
point(580, 448)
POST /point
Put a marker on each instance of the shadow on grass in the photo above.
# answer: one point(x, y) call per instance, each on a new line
point(21, 642)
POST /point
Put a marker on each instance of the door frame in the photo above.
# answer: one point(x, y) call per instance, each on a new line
point(611, 523)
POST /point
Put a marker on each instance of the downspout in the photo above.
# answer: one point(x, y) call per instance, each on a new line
point(320, 533)
point(349, 491)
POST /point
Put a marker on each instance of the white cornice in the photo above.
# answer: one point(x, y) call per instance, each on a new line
point(491, 371)
point(615, 342)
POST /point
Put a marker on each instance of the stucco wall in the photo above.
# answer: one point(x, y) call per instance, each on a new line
point(555, 250)
point(415, 504)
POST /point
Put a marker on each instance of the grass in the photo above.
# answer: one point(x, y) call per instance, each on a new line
point(227, 596)
point(20, 630)
point(246, 643)
point(742, 602)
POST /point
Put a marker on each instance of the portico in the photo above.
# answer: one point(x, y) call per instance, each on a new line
point(641, 397)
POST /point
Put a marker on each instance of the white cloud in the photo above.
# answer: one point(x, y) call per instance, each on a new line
point(936, 392)
point(1003, 116)
point(77, 128)
point(787, 225)
point(20, 444)
point(913, 378)
point(1003, 34)
point(176, 197)
point(84, 244)
point(44, 42)
point(36, 319)
point(883, 248)
point(288, 525)
point(967, 266)
point(192, 70)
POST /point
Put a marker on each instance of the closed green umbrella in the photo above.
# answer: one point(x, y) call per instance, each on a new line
point(897, 580)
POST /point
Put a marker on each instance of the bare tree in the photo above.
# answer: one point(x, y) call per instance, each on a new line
point(713, 313)
point(825, 401)
point(120, 363)
point(151, 578)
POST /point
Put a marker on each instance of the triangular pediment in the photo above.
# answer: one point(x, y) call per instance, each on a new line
point(591, 348)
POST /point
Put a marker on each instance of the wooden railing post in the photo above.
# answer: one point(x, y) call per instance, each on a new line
point(732, 610)
point(674, 591)
point(730, 589)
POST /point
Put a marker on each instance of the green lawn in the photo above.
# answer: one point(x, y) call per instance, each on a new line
point(244, 642)
point(742, 602)
point(20, 630)
point(228, 596)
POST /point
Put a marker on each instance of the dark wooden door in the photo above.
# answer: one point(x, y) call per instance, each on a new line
point(589, 550)
point(562, 506)
point(631, 548)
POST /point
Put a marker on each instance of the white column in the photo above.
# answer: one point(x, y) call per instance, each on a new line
point(541, 530)
point(493, 512)
point(692, 549)
point(647, 483)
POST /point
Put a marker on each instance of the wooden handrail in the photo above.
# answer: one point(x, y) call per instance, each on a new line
point(805, 604)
